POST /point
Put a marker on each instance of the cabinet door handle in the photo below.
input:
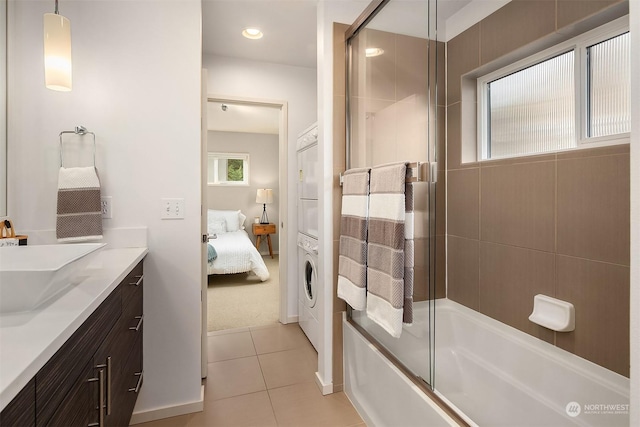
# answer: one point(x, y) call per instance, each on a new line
point(138, 282)
point(109, 385)
point(100, 380)
point(108, 366)
point(139, 383)
point(137, 327)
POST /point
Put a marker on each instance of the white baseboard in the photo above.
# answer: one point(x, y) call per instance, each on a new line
point(169, 411)
point(324, 388)
point(291, 319)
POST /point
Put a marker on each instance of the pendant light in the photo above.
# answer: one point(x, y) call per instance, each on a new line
point(57, 51)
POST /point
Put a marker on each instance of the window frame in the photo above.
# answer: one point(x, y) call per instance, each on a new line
point(579, 45)
point(216, 157)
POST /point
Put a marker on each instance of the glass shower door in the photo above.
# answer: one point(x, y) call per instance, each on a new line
point(392, 112)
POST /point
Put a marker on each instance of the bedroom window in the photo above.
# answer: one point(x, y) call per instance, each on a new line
point(573, 95)
point(228, 169)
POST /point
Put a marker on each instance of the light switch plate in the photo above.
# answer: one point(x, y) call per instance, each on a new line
point(171, 208)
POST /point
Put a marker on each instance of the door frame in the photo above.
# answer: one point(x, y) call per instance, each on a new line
point(283, 146)
point(204, 278)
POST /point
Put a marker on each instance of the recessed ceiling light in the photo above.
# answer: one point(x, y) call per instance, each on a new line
point(373, 51)
point(252, 33)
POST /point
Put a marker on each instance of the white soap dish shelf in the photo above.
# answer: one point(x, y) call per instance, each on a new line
point(553, 313)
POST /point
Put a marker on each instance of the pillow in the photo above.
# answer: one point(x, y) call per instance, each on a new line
point(241, 218)
point(230, 217)
point(210, 219)
point(217, 226)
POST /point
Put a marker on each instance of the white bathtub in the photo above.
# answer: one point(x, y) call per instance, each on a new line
point(491, 373)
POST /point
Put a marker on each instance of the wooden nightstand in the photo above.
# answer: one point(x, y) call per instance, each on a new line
point(260, 230)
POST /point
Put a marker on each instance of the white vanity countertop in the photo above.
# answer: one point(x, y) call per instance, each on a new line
point(29, 339)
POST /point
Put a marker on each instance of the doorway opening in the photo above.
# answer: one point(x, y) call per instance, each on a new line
point(246, 174)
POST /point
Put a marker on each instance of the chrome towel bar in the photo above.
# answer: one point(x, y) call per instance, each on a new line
point(79, 130)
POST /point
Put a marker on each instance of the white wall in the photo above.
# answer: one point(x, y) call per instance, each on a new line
point(234, 77)
point(263, 173)
point(136, 84)
point(634, 22)
point(328, 13)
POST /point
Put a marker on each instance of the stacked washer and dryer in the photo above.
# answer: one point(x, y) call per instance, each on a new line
point(309, 294)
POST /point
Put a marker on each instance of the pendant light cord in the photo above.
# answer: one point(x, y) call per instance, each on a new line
point(57, 13)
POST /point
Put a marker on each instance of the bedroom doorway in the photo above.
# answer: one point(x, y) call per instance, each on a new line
point(246, 164)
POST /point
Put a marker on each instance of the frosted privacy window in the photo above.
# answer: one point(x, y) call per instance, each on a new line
point(609, 86)
point(532, 110)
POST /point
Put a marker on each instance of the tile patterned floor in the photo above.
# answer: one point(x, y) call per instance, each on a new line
point(264, 376)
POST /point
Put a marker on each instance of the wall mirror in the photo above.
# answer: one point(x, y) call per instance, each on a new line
point(3, 108)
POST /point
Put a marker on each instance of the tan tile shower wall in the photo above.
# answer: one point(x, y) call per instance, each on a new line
point(555, 224)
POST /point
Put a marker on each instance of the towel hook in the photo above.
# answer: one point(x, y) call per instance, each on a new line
point(79, 130)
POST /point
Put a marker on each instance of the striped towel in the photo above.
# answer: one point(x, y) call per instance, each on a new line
point(352, 261)
point(79, 215)
point(409, 250)
point(386, 247)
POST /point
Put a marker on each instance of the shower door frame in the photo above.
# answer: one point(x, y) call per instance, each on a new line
point(426, 385)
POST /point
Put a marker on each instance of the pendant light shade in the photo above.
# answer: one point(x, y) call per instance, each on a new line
point(57, 52)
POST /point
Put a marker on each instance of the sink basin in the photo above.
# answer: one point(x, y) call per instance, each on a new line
point(30, 275)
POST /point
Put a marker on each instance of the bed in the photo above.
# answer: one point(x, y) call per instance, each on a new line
point(233, 250)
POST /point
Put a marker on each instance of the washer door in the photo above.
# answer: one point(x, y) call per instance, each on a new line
point(310, 278)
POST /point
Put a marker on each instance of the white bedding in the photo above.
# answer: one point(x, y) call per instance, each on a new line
point(236, 254)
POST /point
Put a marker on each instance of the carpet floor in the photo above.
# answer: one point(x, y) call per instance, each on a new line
point(242, 300)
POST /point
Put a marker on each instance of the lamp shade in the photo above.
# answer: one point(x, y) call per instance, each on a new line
point(264, 196)
point(57, 52)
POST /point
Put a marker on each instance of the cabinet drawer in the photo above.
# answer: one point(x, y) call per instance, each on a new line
point(133, 308)
point(131, 285)
point(132, 318)
point(133, 369)
point(21, 411)
point(59, 375)
point(131, 379)
point(264, 229)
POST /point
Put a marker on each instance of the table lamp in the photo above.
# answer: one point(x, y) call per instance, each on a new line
point(264, 196)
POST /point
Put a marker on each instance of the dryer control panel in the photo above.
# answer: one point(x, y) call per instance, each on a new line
point(308, 243)
point(307, 137)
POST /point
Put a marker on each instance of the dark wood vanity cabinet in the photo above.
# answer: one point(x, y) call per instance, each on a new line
point(76, 407)
point(95, 377)
point(122, 353)
point(21, 411)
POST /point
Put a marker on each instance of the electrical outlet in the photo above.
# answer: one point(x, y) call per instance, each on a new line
point(172, 209)
point(106, 207)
